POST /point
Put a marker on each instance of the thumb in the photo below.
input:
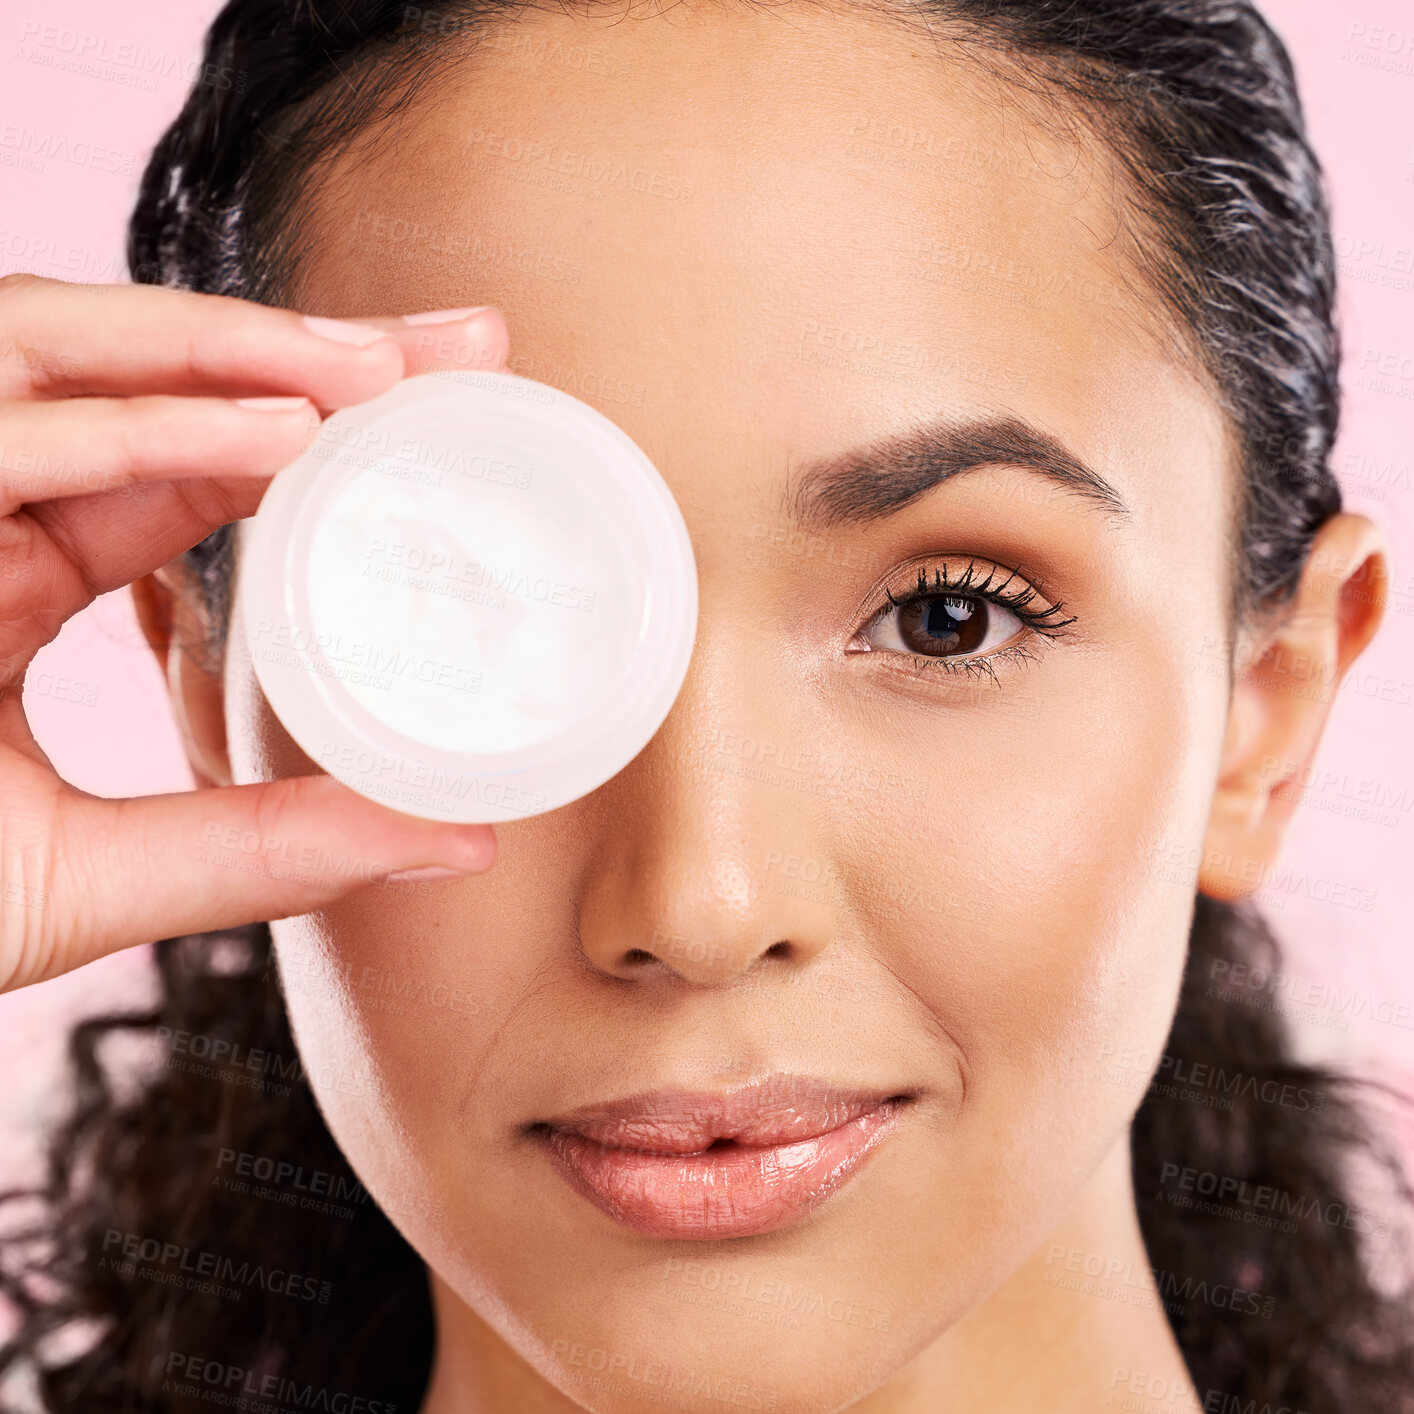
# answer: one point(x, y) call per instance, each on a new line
point(471, 338)
point(127, 872)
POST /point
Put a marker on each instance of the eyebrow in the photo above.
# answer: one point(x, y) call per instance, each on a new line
point(870, 482)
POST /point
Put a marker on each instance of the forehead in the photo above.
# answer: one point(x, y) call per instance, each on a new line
point(751, 235)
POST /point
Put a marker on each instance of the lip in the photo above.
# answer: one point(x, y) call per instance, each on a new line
point(705, 1166)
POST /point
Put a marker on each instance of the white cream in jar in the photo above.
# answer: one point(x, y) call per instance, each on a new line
point(473, 598)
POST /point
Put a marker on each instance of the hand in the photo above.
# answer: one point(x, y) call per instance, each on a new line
point(135, 420)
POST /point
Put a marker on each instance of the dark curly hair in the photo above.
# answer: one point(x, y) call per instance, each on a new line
point(1198, 102)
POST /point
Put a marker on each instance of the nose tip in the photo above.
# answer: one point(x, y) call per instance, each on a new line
point(679, 881)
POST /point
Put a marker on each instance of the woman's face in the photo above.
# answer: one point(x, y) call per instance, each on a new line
point(763, 242)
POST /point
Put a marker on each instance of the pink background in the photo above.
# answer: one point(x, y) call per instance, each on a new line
point(89, 88)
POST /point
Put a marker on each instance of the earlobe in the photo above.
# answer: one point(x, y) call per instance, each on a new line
point(175, 624)
point(1285, 682)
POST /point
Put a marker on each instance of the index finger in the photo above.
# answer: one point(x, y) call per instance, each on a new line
point(123, 339)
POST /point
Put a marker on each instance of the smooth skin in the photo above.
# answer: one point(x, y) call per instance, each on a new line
point(977, 889)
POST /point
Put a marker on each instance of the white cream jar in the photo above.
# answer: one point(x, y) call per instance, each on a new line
point(472, 598)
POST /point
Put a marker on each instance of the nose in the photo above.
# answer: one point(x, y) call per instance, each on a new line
point(701, 847)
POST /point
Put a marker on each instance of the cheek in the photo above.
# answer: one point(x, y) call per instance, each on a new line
point(1021, 897)
point(390, 1035)
point(384, 1008)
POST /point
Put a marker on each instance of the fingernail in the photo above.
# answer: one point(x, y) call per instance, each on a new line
point(472, 848)
point(274, 404)
point(445, 316)
point(469, 850)
point(416, 876)
point(343, 331)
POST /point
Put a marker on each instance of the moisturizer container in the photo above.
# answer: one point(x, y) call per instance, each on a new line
point(472, 598)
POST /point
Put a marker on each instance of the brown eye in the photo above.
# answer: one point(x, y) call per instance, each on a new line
point(943, 626)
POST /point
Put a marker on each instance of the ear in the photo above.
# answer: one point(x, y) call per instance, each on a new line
point(175, 623)
point(1285, 681)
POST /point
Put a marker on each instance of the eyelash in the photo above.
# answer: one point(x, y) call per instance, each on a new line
point(1020, 602)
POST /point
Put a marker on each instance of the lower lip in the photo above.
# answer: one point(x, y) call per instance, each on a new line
point(733, 1190)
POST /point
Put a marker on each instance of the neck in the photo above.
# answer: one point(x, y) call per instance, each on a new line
point(1052, 1336)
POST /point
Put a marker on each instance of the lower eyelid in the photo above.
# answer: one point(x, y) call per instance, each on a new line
point(918, 665)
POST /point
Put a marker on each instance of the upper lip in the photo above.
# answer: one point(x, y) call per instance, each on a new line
point(780, 1109)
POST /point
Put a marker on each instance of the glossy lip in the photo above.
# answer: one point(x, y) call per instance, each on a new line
point(705, 1166)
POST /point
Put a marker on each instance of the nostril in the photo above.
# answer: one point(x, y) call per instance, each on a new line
point(640, 957)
